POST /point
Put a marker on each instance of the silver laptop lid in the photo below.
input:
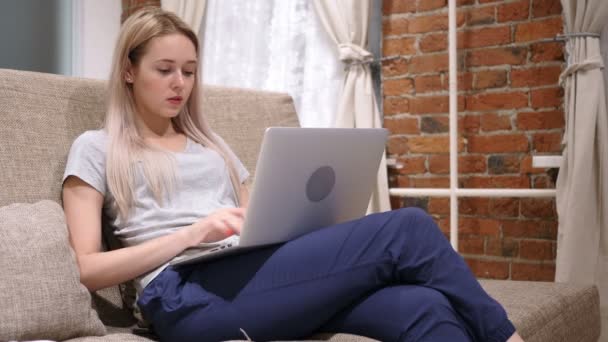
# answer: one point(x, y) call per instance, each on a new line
point(310, 178)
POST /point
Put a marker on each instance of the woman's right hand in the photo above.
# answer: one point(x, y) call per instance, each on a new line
point(216, 226)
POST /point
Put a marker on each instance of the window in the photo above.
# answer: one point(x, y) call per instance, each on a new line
point(278, 46)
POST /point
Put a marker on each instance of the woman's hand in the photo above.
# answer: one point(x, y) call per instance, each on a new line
point(217, 226)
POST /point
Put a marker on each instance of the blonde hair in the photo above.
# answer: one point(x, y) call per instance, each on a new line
point(126, 146)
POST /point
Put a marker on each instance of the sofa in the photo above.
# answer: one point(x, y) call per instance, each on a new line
point(40, 116)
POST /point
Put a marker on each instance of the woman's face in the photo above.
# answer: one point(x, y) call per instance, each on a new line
point(163, 79)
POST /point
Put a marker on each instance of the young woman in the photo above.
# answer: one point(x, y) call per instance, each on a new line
point(165, 182)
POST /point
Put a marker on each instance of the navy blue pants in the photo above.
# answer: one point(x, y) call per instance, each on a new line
point(391, 276)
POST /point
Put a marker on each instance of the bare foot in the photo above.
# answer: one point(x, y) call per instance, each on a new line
point(515, 338)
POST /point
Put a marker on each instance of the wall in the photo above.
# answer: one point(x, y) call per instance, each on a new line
point(69, 37)
point(510, 108)
point(35, 35)
point(96, 28)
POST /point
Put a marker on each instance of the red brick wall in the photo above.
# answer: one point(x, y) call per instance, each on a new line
point(510, 108)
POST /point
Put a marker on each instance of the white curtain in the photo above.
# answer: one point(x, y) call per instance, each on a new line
point(582, 184)
point(277, 46)
point(190, 11)
point(604, 50)
point(347, 24)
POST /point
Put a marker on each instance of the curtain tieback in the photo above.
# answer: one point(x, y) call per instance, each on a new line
point(594, 62)
point(354, 55)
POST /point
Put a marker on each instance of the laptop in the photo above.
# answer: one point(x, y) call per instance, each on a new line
point(306, 179)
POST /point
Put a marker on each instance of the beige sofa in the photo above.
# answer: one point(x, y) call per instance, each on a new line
point(41, 114)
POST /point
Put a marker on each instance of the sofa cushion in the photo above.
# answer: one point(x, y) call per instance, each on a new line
point(120, 337)
point(546, 311)
point(40, 291)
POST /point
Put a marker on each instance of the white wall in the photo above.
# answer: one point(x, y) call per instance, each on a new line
point(96, 25)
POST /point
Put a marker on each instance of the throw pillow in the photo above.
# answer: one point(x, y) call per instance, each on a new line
point(40, 289)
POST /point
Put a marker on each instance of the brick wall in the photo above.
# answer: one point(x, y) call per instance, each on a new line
point(510, 108)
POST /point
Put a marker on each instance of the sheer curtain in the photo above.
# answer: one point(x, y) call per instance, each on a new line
point(190, 11)
point(277, 46)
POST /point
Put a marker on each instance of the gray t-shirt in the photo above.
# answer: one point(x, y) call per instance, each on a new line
point(203, 186)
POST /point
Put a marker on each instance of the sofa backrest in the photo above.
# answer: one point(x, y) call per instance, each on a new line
point(42, 114)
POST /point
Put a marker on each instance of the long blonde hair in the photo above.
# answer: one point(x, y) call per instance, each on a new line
point(126, 146)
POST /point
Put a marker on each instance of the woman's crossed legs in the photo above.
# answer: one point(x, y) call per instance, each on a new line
point(389, 276)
